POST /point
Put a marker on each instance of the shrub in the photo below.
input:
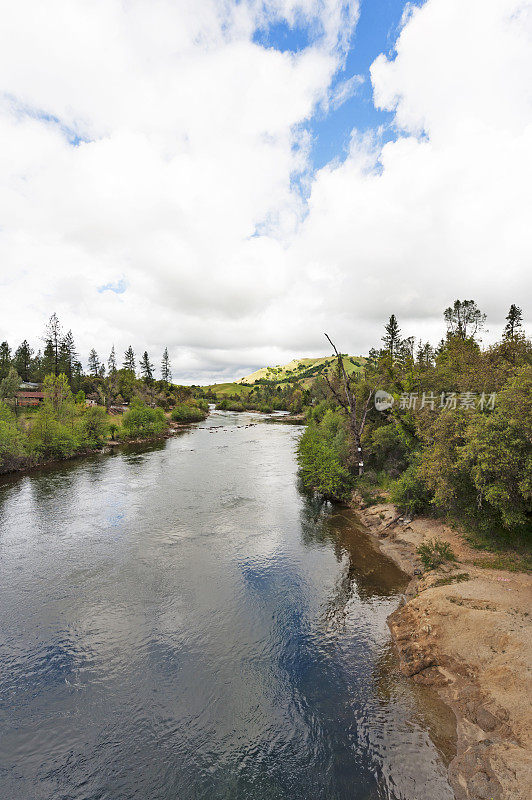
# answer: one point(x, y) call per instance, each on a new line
point(409, 493)
point(230, 405)
point(391, 446)
point(319, 458)
point(50, 438)
point(94, 427)
point(141, 420)
point(185, 413)
point(435, 552)
point(12, 449)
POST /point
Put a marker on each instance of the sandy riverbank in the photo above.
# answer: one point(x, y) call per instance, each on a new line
point(467, 631)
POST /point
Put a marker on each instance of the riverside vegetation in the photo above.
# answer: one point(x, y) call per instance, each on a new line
point(456, 442)
point(64, 424)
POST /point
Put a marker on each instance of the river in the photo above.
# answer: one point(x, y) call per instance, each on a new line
point(180, 622)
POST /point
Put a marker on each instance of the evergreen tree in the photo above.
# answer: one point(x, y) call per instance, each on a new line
point(111, 362)
point(514, 321)
point(406, 349)
point(77, 373)
point(129, 360)
point(425, 355)
point(392, 337)
point(36, 366)
point(146, 367)
point(94, 363)
point(22, 360)
point(53, 338)
point(67, 355)
point(5, 359)
point(47, 361)
point(166, 371)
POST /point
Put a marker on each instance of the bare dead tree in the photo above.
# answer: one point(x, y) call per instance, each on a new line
point(347, 400)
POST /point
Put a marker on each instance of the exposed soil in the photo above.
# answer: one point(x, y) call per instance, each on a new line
point(466, 631)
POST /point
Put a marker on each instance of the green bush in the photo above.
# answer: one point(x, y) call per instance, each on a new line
point(319, 456)
point(434, 553)
point(51, 438)
point(230, 405)
point(185, 413)
point(391, 446)
point(409, 493)
point(12, 440)
point(94, 427)
point(141, 420)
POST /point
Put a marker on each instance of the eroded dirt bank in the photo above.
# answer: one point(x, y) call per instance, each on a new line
point(467, 631)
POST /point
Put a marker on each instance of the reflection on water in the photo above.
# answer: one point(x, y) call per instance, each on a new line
point(180, 622)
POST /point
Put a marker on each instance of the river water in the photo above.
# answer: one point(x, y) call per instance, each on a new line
point(179, 622)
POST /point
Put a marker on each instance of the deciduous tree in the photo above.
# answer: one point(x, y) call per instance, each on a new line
point(464, 319)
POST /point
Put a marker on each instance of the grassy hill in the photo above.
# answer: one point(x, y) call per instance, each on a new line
point(300, 370)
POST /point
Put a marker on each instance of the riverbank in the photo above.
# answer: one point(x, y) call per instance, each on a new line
point(465, 630)
point(106, 449)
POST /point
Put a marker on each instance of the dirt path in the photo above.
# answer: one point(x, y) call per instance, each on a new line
point(467, 631)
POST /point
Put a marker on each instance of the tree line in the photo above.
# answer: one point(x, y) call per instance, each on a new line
point(452, 435)
point(59, 356)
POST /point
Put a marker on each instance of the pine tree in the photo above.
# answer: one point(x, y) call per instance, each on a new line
point(5, 359)
point(514, 321)
point(53, 337)
point(146, 367)
point(67, 355)
point(129, 360)
point(392, 337)
point(77, 373)
point(111, 362)
point(166, 371)
point(22, 360)
point(405, 351)
point(94, 363)
point(36, 366)
point(47, 361)
point(425, 355)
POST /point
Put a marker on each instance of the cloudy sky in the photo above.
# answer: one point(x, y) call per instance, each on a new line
point(230, 178)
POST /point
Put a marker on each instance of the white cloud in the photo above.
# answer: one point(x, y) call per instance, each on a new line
point(182, 184)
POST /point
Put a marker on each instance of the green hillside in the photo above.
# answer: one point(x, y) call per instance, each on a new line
point(303, 371)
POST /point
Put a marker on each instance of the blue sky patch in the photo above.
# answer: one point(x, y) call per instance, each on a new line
point(118, 287)
point(376, 32)
point(23, 110)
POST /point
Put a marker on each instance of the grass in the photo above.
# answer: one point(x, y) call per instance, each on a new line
point(515, 562)
point(372, 487)
point(434, 553)
point(503, 551)
point(229, 389)
point(458, 578)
